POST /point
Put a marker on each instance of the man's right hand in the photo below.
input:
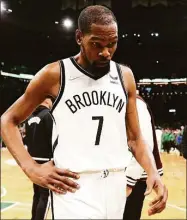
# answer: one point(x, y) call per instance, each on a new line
point(53, 178)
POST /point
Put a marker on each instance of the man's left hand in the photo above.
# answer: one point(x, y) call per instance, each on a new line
point(158, 204)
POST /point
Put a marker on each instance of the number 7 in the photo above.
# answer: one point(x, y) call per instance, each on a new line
point(100, 125)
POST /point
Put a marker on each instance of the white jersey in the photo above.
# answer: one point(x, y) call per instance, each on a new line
point(90, 120)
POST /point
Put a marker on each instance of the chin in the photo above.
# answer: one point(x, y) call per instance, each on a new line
point(101, 69)
point(101, 65)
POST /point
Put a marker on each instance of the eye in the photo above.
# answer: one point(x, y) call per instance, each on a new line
point(96, 45)
point(112, 44)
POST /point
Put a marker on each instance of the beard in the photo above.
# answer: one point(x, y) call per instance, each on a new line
point(99, 70)
point(96, 68)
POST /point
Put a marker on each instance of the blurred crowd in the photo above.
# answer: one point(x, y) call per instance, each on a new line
point(172, 140)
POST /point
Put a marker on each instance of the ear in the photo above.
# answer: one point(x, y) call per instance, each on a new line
point(79, 36)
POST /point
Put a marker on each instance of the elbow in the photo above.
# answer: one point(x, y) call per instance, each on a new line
point(132, 145)
point(134, 142)
point(3, 120)
point(6, 121)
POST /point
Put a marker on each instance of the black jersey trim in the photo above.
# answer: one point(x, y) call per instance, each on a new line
point(55, 145)
point(52, 206)
point(62, 85)
point(121, 80)
point(84, 71)
point(56, 140)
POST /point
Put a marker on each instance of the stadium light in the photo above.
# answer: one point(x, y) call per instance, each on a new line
point(172, 110)
point(67, 23)
point(155, 34)
point(3, 6)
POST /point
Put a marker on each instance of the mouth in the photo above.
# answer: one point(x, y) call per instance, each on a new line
point(102, 64)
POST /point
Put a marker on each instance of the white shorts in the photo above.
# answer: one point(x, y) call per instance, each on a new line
point(101, 196)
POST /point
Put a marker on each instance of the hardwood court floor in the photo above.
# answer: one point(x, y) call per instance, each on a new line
point(16, 189)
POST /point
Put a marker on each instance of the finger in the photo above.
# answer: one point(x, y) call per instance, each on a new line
point(70, 183)
point(161, 194)
point(149, 189)
point(150, 185)
point(160, 210)
point(66, 181)
point(62, 186)
point(158, 206)
point(161, 204)
point(55, 189)
point(156, 200)
point(67, 173)
point(157, 209)
point(59, 188)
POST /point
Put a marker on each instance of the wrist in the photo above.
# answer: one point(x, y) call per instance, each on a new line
point(28, 166)
point(152, 171)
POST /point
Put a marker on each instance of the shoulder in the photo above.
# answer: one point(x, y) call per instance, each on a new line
point(46, 80)
point(128, 78)
point(51, 70)
point(126, 71)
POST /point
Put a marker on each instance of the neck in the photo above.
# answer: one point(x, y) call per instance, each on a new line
point(82, 62)
point(92, 70)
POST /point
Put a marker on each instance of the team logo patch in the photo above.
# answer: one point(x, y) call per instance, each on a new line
point(113, 79)
point(34, 120)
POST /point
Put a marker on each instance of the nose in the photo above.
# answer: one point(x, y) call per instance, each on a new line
point(106, 53)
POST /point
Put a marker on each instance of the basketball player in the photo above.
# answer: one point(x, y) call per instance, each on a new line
point(38, 140)
point(136, 176)
point(95, 114)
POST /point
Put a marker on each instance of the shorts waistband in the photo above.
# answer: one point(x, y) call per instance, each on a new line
point(111, 170)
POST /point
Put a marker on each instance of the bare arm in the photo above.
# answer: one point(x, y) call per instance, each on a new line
point(140, 149)
point(43, 84)
point(46, 82)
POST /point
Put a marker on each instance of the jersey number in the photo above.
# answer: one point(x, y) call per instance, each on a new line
point(100, 125)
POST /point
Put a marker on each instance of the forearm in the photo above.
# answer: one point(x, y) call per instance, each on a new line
point(143, 155)
point(13, 141)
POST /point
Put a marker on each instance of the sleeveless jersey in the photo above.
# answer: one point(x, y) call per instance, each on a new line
point(90, 119)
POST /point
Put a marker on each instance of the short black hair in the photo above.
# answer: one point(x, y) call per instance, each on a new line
point(95, 14)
